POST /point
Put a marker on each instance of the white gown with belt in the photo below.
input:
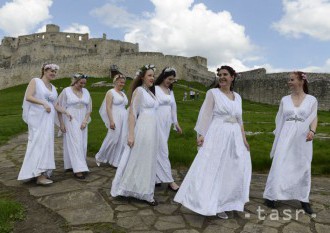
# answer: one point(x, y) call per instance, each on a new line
point(39, 156)
point(290, 174)
point(166, 114)
point(219, 177)
point(136, 173)
point(75, 139)
point(113, 144)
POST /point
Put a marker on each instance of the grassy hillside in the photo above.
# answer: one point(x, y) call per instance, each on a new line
point(258, 120)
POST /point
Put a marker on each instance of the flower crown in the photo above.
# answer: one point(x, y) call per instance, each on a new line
point(145, 68)
point(51, 66)
point(169, 69)
point(80, 76)
point(118, 76)
point(304, 77)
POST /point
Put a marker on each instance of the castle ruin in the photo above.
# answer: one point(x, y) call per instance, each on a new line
point(21, 58)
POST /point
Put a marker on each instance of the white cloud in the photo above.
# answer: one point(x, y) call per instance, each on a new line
point(114, 16)
point(187, 29)
point(325, 68)
point(309, 17)
point(20, 17)
point(77, 28)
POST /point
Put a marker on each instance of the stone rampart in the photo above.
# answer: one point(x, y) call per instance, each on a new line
point(258, 86)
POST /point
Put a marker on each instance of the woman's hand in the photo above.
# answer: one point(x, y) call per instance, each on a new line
point(178, 128)
point(246, 145)
point(68, 115)
point(47, 107)
point(200, 141)
point(130, 141)
point(62, 128)
point(83, 125)
point(310, 136)
point(112, 125)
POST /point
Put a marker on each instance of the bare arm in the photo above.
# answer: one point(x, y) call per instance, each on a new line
point(311, 133)
point(244, 138)
point(87, 115)
point(30, 91)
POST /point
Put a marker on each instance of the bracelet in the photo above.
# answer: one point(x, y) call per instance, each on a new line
point(312, 131)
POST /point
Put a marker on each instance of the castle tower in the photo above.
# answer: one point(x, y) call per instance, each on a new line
point(52, 28)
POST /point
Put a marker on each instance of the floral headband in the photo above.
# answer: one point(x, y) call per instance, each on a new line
point(51, 66)
point(118, 76)
point(145, 68)
point(79, 76)
point(169, 69)
point(304, 77)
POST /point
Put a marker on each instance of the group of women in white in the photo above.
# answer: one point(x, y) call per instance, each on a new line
point(137, 140)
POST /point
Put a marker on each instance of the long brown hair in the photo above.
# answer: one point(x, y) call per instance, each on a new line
point(302, 76)
point(166, 72)
point(138, 79)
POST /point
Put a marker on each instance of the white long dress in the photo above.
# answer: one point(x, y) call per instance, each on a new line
point(39, 156)
point(75, 139)
point(113, 144)
point(290, 174)
point(167, 115)
point(136, 173)
point(219, 177)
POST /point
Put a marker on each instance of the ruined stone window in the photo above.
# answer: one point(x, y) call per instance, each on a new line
point(95, 46)
point(80, 38)
point(68, 36)
point(43, 36)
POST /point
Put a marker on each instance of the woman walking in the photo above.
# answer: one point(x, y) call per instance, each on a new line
point(76, 103)
point(219, 177)
point(167, 115)
point(296, 121)
point(39, 113)
point(136, 173)
point(114, 114)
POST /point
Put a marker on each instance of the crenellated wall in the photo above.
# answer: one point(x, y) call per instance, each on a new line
point(258, 86)
point(21, 58)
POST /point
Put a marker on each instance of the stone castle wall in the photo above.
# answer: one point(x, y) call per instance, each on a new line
point(21, 58)
point(258, 86)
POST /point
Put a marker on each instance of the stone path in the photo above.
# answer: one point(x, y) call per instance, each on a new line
point(86, 206)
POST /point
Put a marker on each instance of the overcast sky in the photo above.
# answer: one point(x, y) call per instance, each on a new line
point(277, 35)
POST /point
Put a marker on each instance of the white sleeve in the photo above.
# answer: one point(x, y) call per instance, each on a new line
point(62, 99)
point(173, 109)
point(205, 114)
point(279, 121)
point(136, 102)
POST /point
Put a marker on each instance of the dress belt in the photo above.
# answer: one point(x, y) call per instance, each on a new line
point(295, 119)
point(227, 118)
point(78, 106)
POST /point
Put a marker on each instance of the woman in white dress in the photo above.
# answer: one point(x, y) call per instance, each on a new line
point(219, 177)
point(114, 114)
point(39, 114)
point(296, 121)
point(136, 173)
point(76, 103)
point(167, 116)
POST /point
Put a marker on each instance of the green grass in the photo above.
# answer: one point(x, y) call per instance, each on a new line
point(10, 211)
point(257, 117)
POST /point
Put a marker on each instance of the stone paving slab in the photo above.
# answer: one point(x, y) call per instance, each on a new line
point(86, 204)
